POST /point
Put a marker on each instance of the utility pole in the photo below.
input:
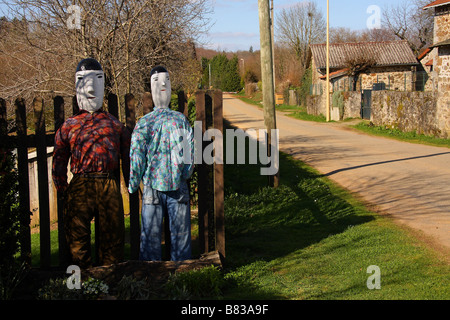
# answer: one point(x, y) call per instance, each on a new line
point(328, 63)
point(272, 30)
point(267, 75)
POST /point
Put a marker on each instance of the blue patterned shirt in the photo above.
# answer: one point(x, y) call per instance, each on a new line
point(162, 151)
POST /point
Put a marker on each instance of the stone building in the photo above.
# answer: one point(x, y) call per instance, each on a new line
point(436, 61)
point(392, 65)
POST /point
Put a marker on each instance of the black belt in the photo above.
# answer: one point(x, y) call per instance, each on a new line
point(97, 175)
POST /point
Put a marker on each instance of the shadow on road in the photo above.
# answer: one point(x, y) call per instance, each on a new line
point(384, 162)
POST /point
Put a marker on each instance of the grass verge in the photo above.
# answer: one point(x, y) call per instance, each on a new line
point(296, 112)
point(414, 137)
point(310, 239)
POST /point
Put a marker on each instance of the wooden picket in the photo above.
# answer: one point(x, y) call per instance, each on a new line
point(210, 199)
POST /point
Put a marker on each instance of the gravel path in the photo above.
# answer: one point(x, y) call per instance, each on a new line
point(409, 182)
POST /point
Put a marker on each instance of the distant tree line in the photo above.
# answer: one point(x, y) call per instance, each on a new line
point(39, 48)
point(221, 73)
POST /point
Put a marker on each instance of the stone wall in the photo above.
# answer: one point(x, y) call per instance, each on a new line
point(441, 27)
point(406, 111)
point(443, 114)
point(351, 107)
point(431, 81)
point(397, 78)
point(315, 105)
point(443, 69)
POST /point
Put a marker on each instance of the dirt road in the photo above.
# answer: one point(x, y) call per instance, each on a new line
point(410, 182)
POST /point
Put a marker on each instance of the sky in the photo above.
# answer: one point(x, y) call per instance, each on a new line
point(236, 22)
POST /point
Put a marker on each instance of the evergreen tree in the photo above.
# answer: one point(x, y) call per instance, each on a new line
point(224, 73)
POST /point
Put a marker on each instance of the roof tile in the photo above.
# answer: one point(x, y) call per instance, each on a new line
point(386, 53)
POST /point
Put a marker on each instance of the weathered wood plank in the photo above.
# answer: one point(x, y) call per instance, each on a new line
point(154, 271)
point(147, 103)
point(202, 177)
point(219, 178)
point(43, 189)
point(24, 184)
point(63, 248)
point(130, 114)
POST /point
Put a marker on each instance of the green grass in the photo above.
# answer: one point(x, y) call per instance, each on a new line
point(293, 111)
point(310, 239)
point(301, 114)
point(413, 137)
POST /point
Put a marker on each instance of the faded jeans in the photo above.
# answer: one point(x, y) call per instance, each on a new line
point(154, 206)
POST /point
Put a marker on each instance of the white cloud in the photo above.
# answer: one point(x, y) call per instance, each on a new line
point(233, 35)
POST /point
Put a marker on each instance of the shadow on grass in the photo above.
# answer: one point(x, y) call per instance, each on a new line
point(264, 223)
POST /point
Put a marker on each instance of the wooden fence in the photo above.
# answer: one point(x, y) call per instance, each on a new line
point(210, 177)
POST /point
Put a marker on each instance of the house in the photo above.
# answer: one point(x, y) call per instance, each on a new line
point(437, 57)
point(436, 60)
point(356, 66)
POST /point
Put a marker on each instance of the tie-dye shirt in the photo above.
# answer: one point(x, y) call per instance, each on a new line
point(94, 143)
point(162, 151)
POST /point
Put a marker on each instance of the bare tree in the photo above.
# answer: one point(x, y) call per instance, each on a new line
point(298, 27)
point(358, 63)
point(408, 21)
point(343, 35)
point(127, 37)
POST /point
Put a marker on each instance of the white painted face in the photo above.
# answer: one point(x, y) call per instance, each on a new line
point(90, 88)
point(161, 89)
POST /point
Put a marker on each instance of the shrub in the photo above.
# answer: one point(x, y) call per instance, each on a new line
point(9, 208)
point(128, 288)
point(56, 289)
point(200, 283)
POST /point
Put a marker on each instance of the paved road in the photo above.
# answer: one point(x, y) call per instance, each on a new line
point(410, 182)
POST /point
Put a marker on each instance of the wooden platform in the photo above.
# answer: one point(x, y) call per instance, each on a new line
point(154, 271)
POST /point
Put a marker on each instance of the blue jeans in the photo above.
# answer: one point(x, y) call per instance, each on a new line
point(154, 206)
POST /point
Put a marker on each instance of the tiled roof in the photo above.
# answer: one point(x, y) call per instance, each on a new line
point(424, 53)
point(336, 74)
point(437, 3)
point(442, 43)
point(386, 53)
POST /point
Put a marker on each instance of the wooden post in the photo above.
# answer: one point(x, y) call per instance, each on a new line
point(59, 116)
point(183, 103)
point(147, 103)
point(64, 254)
point(75, 107)
point(24, 184)
point(130, 114)
point(328, 111)
point(3, 121)
point(113, 105)
point(43, 190)
point(219, 216)
point(267, 76)
point(202, 178)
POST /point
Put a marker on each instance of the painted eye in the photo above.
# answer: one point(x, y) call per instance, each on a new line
point(99, 76)
point(80, 78)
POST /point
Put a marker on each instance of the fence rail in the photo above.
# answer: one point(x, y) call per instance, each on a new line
point(210, 185)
